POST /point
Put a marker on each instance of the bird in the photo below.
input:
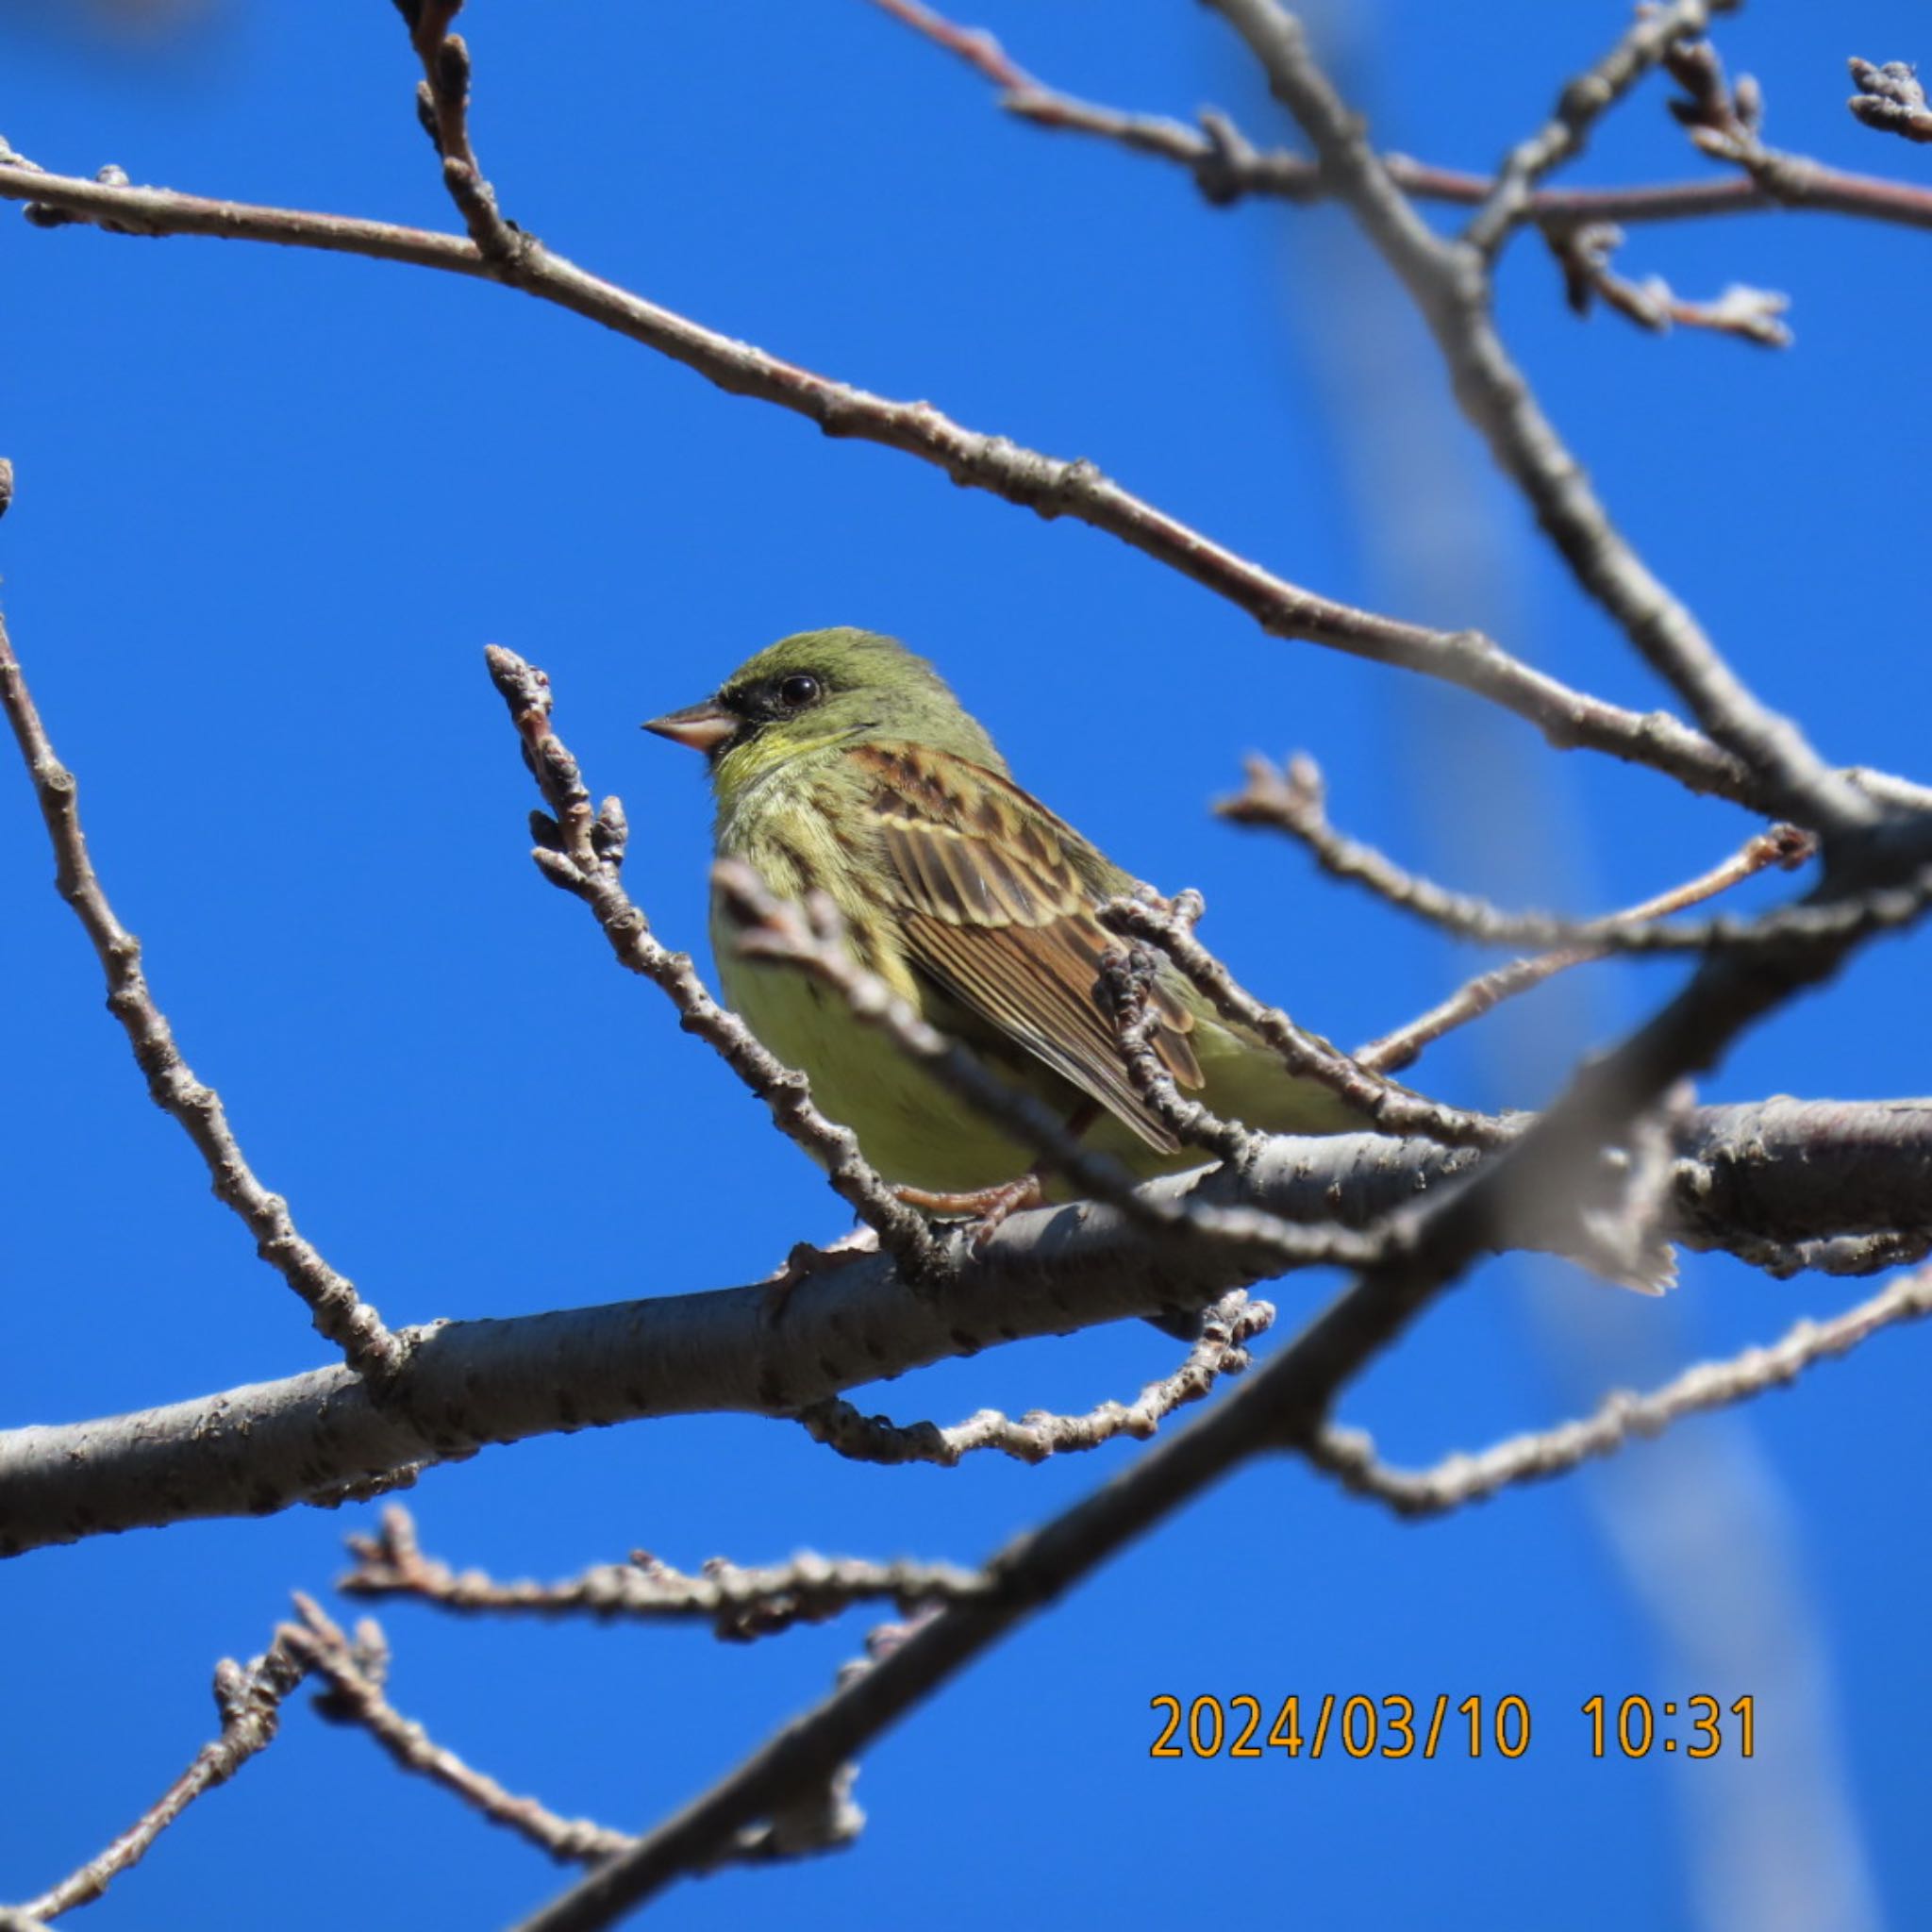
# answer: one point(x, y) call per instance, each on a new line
point(841, 762)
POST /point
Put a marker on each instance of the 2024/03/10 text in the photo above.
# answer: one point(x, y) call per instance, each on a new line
point(1395, 1726)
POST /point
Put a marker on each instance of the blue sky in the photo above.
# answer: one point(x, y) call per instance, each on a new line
point(270, 506)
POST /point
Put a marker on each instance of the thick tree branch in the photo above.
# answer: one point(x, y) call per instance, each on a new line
point(1779, 1172)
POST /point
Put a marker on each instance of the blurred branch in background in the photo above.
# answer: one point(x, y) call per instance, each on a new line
point(121, 29)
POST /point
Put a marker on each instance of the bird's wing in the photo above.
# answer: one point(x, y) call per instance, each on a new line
point(995, 912)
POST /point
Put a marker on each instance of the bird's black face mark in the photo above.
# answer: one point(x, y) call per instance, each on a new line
point(771, 699)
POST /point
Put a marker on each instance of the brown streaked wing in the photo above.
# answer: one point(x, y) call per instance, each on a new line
point(995, 913)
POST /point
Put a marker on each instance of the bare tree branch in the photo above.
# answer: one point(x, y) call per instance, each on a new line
point(355, 1670)
point(1226, 1328)
point(1878, 909)
point(1845, 1254)
point(1726, 123)
point(1782, 845)
point(1780, 1171)
point(738, 1603)
point(1751, 316)
point(1393, 1108)
point(1867, 1162)
point(340, 1314)
point(442, 106)
point(1227, 167)
point(1349, 1455)
point(1126, 981)
point(1292, 801)
point(1565, 134)
point(250, 1701)
point(1619, 1166)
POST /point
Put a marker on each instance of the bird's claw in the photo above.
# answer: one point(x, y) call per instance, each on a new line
point(986, 1208)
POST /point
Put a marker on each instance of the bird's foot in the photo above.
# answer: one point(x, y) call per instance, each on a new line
point(806, 1259)
point(988, 1208)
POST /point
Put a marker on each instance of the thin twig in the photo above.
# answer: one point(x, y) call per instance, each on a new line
point(1227, 1326)
point(737, 1602)
point(442, 106)
point(1782, 845)
point(1293, 800)
point(1449, 283)
point(1126, 981)
point(354, 1669)
point(250, 1701)
point(581, 850)
point(338, 1313)
point(1350, 1456)
point(1583, 100)
point(1392, 1108)
point(1227, 166)
point(1726, 121)
point(1751, 316)
point(819, 1818)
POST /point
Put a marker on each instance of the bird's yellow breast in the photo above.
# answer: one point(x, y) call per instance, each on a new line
point(908, 1126)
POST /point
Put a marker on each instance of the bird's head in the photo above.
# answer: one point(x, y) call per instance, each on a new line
point(817, 690)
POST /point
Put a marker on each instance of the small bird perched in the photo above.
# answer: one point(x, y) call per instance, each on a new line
point(844, 764)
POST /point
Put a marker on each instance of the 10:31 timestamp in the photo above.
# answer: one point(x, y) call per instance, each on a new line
point(1395, 1726)
point(1632, 1729)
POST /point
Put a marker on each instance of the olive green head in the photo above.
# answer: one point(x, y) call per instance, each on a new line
point(819, 691)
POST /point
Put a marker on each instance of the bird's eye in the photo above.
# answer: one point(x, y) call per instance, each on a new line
point(799, 690)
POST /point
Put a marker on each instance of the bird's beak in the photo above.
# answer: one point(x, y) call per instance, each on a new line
point(704, 727)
